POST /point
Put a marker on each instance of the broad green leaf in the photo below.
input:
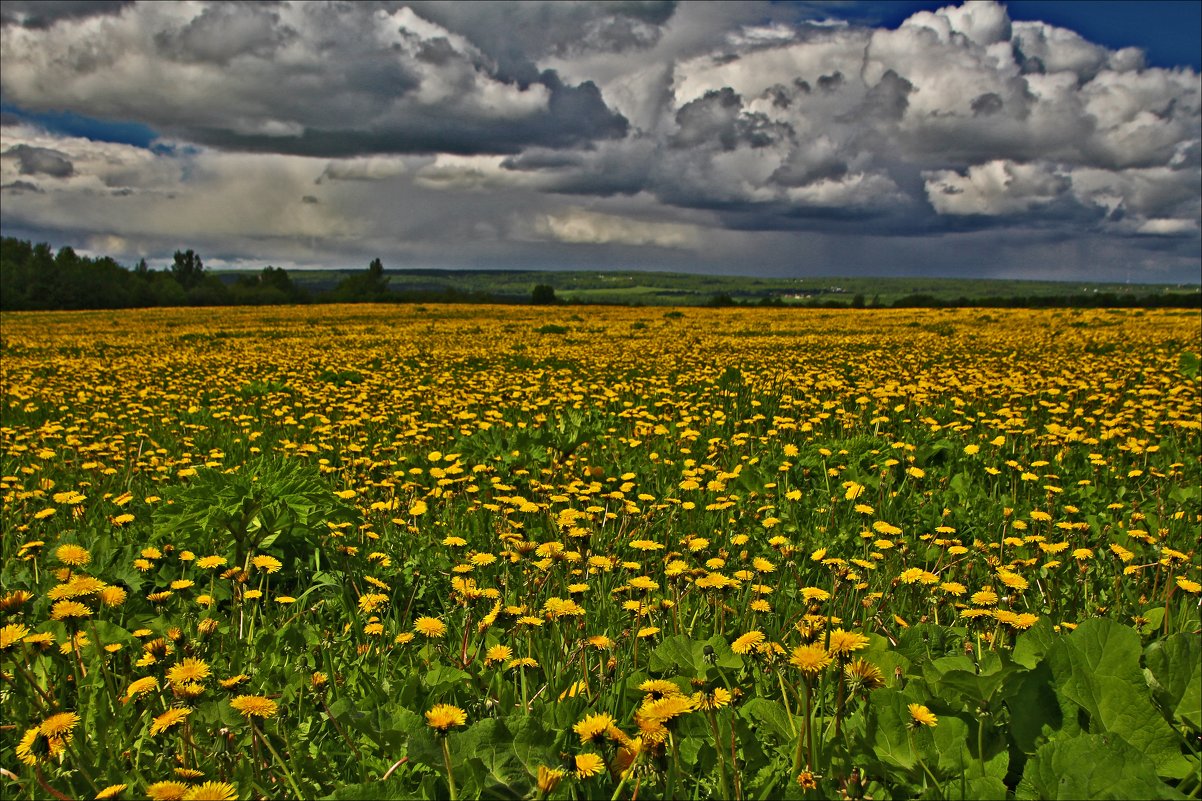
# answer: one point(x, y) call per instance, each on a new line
point(392, 790)
point(1037, 712)
point(952, 745)
point(1175, 665)
point(674, 655)
point(769, 715)
point(532, 744)
point(976, 788)
point(1097, 666)
point(1034, 643)
point(1095, 766)
point(443, 675)
point(886, 732)
point(501, 773)
point(722, 657)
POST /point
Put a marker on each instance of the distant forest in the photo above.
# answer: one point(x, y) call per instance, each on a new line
point(35, 277)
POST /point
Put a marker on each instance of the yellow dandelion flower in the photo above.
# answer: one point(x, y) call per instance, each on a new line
point(60, 725)
point(921, 716)
point(522, 662)
point(140, 687)
point(862, 675)
point(983, 598)
point(68, 610)
point(35, 746)
point(72, 555)
point(112, 791)
point(167, 791)
point(233, 681)
point(430, 627)
point(12, 601)
point(254, 706)
point(659, 688)
point(372, 601)
point(810, 659)
point(12, 634)
point(844, 643)
point(1192, 587)
point(168, 719)
point(210, 562)
point(498, 653)
point(268, 564)
point(588, 765)
point(112, 596)
point(1021, 622)
point(718, 698)
point(667, 708)
point(593, 726)
point(748, 642)
point(548, 779)
point(189, 670)
point(1012, 580)
point(212, 791)
point(441, 717)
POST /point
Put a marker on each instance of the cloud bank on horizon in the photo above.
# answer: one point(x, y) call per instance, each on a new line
point(714, 137)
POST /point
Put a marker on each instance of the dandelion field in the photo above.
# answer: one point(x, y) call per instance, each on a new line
point(511, 552)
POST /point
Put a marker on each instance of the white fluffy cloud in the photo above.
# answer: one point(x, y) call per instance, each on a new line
point(580, 226)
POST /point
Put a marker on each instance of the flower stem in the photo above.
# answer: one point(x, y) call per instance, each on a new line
point(279, 760)
point(446, 758)
point(723, 792)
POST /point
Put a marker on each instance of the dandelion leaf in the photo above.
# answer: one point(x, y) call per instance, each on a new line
point(1097, 766)
point(1175, 668)
point(768, 715)
point(1097, 667)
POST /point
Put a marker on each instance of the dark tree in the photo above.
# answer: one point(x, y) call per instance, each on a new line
point(543, 295)
point(367, 286)
point(187, 268)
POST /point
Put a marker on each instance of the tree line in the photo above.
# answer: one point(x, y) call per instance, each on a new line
point(35, 277)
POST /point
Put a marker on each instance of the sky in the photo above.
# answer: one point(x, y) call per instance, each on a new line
point(1046, 140)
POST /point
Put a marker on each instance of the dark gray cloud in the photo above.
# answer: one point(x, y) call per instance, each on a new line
point(224, 31)
point(21, 186)
point(42, 14)
point(40, 161)
point(516, 36)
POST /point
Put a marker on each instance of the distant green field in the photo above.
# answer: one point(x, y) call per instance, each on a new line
point(682, 289)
